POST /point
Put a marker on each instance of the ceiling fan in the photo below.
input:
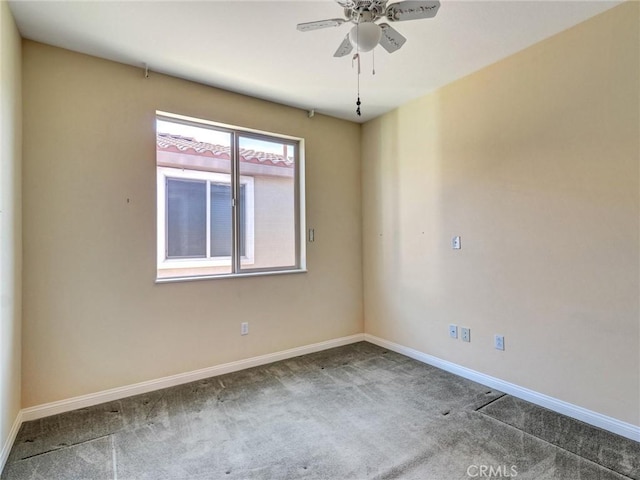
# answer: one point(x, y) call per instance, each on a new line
point(366, 34)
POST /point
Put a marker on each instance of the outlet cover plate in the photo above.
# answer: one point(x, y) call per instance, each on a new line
point(465, 334)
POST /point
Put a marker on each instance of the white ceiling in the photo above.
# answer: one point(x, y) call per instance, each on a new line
point(254, 48)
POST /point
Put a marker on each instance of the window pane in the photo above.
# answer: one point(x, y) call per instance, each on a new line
point(221, 226)
point(186, 218)
point(271, 202)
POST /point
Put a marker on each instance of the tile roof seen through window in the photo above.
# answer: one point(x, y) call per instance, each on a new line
point(187, 145)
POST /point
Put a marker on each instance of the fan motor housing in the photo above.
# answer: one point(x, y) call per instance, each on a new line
point(361, 16)
point(365, 10)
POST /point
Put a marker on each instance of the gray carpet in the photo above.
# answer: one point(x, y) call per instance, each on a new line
point(354, 412)
point(605, 448)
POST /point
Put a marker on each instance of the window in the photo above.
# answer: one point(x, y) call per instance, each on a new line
point(228, 200)
point(197, 209)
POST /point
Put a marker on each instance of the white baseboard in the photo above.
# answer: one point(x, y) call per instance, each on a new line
point(6, 448)
point(53, 408)
point(613, 425)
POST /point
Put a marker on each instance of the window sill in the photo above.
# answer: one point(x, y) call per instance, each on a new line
point(173, 264)
point(229, 275)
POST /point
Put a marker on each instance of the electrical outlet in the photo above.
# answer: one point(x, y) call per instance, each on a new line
point(465, 334)
point(455, 243)
point(453, 331)
point(244, 328)
point(498, 342)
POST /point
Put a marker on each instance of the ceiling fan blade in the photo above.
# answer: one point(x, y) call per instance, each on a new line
point(345, 48)
point(391, 39)
point(331, 22)
point(412, 10)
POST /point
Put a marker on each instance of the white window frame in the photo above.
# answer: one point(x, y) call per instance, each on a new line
point(237, 265)
point(164, 263)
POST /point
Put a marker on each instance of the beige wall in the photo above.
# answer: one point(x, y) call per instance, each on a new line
point(10, 221)
point(93, 317)
point(534, 162)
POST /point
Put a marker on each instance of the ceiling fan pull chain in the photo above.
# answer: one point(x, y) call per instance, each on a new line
point(355, 58)
point(373, 58)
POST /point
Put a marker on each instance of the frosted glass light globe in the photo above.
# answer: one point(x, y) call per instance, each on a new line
point(365, 36)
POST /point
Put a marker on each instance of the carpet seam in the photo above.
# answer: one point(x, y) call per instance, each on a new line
point(64, 447)
point(557, 446)
point(490, 402)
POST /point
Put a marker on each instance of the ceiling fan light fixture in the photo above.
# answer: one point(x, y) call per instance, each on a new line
point(365, 36)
